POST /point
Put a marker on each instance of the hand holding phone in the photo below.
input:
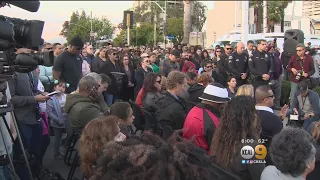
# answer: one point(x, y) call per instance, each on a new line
point(53, 93)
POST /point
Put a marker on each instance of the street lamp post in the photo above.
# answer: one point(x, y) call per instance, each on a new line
point(164, 19)
point(138, 25)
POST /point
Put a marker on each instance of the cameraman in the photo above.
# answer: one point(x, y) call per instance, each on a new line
point(25, 98)
point(305, 104)
point(302, 67)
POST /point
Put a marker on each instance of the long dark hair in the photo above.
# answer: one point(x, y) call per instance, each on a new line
point(148, 83)
point(238, 121)
point(151, 158)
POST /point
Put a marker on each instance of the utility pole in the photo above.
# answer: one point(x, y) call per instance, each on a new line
point(128, 29)
point(165, 23)
point(265, 16)
point(245, 21)
point(91, 25)
point(155, 32)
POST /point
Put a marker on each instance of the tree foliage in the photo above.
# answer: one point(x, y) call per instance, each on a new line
point(275, 13)
point(143, 35)
point(198, 15)
point(175, 28)
point(80, 25)
point(149, 12)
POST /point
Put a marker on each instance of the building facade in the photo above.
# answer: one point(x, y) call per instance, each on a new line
point(311, 9)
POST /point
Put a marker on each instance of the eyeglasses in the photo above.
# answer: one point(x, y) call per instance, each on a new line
point(147, 61)
point(115, 54)
point(270, 96)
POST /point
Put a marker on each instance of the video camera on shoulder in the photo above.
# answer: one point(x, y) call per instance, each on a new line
point(18, 33)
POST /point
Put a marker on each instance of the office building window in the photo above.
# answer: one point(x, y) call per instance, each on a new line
point(287, 24)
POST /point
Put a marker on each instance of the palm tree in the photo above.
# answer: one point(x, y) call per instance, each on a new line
point(258, 14)
point(274, 14)
point(284, 5)
point(186, 21)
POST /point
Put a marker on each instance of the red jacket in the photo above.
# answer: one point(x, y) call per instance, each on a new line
point(201, 125)
point(308, 66)
point(139, 98)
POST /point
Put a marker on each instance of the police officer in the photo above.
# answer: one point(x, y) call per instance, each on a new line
point(222, 63)
point(260, 65)
point(238, 64)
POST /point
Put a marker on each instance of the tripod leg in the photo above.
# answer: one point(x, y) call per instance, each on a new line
point(6, 147)
point(21, 144)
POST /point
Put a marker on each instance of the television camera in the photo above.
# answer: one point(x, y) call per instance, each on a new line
point(18, 33)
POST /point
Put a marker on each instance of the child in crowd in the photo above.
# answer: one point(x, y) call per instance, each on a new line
point(45, 141)
point(58, 118)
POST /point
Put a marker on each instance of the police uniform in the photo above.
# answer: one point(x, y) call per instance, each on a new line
point(238, 64)
point(260, 63)
point(223, 68)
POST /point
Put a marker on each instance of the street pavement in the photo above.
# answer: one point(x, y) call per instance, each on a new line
point(57, 165)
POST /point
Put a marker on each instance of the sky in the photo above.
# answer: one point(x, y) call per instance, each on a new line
point(55, 13)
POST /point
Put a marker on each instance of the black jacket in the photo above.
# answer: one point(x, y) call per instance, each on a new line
point(139, 76)
point(195, 92)
point(96, 64)
point(148, 102)
point(171, 113)
point(117, 80)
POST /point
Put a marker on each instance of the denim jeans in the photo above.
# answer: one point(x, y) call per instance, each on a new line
point(294, 89)
point(109, 98)
point(309, 121)
point(4, 173)
point(57, 139)
point(32, 137)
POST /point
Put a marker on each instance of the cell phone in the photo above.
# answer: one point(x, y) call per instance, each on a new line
point(53, 93)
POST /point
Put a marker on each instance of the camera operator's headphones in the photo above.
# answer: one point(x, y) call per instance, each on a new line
point(57, 82)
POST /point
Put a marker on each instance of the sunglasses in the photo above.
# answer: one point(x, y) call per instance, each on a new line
point(271, 96)
point(115, 54)
point(228, 48)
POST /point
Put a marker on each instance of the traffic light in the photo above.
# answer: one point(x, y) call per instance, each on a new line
point(128, 19)
point(161, 28)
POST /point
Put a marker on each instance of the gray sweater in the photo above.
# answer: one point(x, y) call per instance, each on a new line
point(22, 99)
point(272, 173)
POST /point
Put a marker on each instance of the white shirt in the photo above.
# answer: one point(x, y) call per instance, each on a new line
point(264, 108)
point(43, 106)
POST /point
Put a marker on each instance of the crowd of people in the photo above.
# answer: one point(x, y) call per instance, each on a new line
point(176, 113)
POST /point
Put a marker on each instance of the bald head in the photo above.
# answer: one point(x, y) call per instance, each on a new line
point(87, 83)
point(261, 93)
point(240, 47)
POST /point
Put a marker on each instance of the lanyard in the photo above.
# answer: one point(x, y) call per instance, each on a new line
point(303, 101)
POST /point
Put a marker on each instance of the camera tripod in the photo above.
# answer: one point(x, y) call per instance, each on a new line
point(9, 109)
